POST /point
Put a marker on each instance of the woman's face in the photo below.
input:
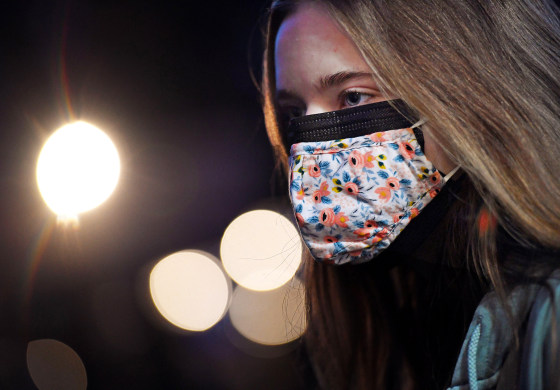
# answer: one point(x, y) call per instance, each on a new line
point(319, 69)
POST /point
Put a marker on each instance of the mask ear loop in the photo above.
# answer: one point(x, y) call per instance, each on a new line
point(418, 124)
point(450, 174)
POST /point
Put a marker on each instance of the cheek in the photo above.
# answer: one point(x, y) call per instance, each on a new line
point(437, 155)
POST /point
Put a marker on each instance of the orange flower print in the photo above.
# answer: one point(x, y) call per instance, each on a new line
point(371, 224)
point(300, 194)
point(300, 220)
point(341, 219)
point(397, 217)
point(356, 159)
point(351, 188)
point(406, 149)
point(322, 191)
point(393, 183)
point(363, 233)
point(355, 253)
point(377, 137)
point(434, 192)
point(435, 178)
point(367, 230)
point(413, 212)
point(380, 236)
point(314, 170)
point(333, 150)
point(384, 193)
point(317, 196)
point(369, 159)
point(327, 217)
point(330, 239)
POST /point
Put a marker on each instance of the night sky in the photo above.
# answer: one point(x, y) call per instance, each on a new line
point(170, 83)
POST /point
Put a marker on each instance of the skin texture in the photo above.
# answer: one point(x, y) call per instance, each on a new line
point(319, 69)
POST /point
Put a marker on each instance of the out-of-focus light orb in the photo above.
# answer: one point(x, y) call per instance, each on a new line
point(190, 290)
point(269, 317)
point(261, 250)
point(54, 365)
point(77, 170)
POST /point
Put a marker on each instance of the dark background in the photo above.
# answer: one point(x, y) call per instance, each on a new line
point(170, 84)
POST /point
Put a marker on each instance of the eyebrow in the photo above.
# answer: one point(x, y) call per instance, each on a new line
point(339, 78)
point(326, 82)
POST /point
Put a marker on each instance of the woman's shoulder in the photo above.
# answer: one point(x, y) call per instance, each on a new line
point(493, 358)
point(540, 351)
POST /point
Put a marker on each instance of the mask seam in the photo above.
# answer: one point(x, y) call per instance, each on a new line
point(339, 150)
point(394, 226)
point(412, 206)
point(346, 127)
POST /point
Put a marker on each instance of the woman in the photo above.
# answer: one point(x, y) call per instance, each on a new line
point(424, 155)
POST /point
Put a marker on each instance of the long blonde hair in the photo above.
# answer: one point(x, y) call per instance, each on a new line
point(486, 76)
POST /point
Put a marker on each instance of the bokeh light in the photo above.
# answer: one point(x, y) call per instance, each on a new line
point(261, 250)
point(54, 365)
point(269, 317)
point(190, 290)
point(77, 170)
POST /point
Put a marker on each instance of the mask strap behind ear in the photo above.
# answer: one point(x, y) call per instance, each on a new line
point(450, 174)
point(418, 124)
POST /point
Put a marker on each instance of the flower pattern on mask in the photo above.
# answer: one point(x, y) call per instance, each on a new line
point(352, 197)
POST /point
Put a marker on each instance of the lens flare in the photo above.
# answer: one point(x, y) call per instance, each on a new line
point(54, 365)
point(261, 250)
point(77, 170)
point(190, 290)
point(269, 317)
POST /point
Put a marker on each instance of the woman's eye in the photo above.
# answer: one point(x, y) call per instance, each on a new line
point(353, 98)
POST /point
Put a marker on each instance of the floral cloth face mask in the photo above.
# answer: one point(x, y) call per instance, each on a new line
point(358, 176)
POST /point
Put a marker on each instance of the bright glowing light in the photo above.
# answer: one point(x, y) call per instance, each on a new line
point(261, 250)
point(54, 365)
point(78, 169)
point(269, 317)
point(190, 290)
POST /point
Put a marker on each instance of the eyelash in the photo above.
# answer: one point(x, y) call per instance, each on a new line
point(290, 111)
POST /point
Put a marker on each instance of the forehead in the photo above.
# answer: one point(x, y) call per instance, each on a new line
point(310, 23)
point(310, 44)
